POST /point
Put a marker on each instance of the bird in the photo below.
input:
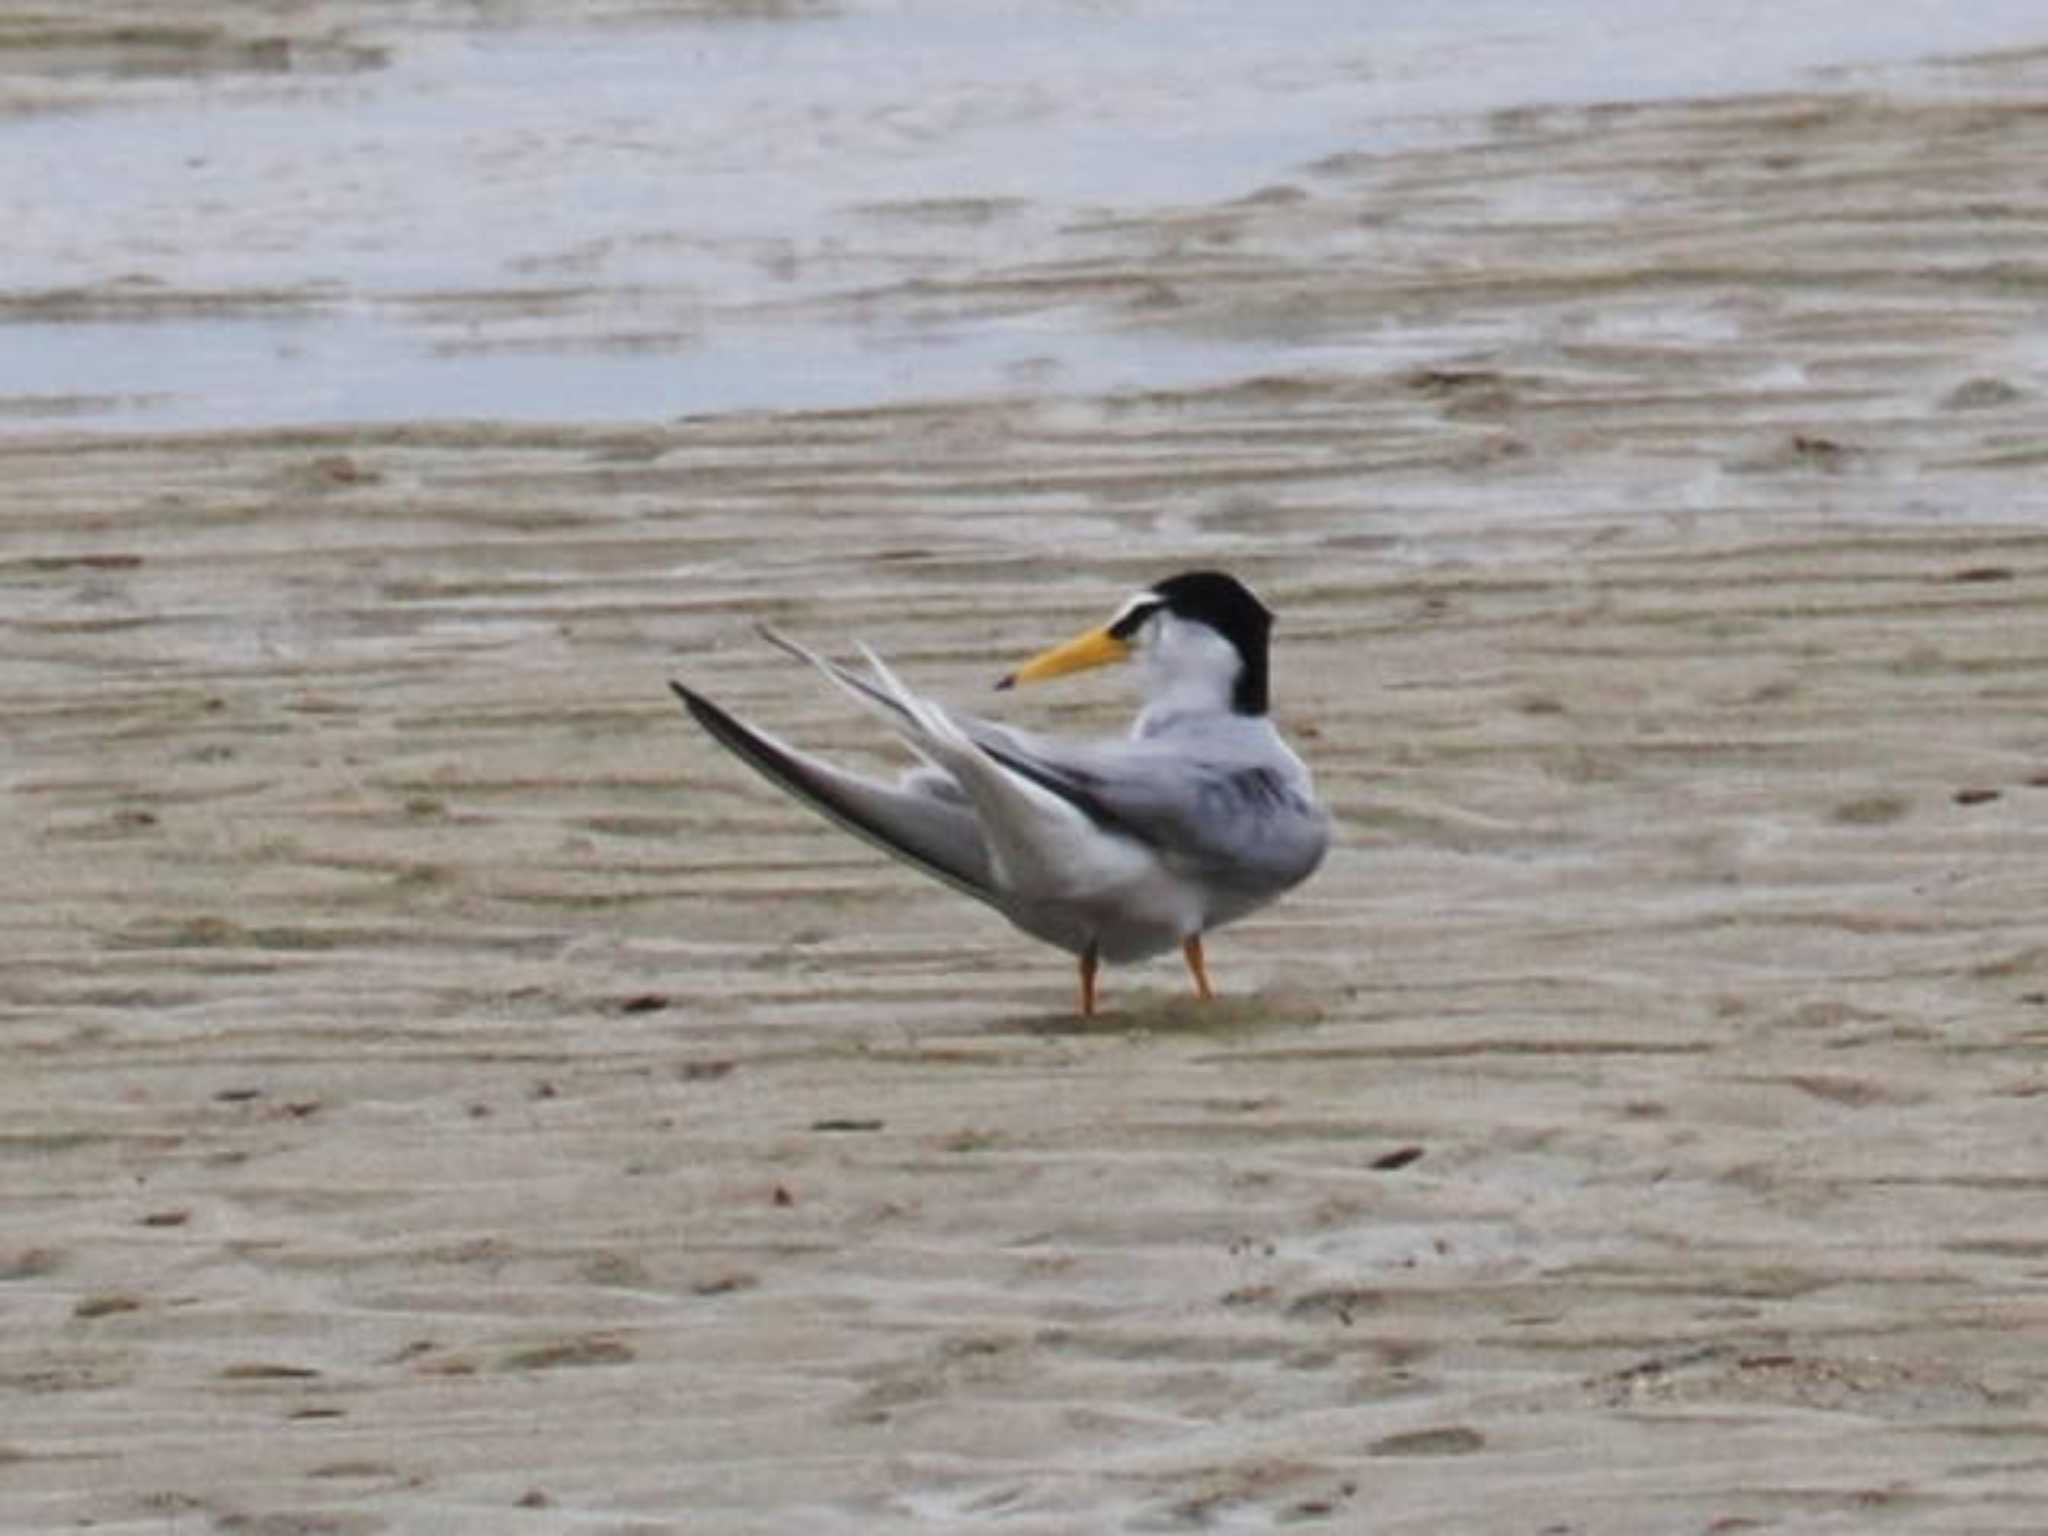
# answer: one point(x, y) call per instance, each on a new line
point(1113, 850)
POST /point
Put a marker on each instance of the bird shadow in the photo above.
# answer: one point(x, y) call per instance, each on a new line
point(1173, 1014)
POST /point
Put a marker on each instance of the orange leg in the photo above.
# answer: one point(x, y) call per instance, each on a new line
point(1192, 949)
point(1088, 962)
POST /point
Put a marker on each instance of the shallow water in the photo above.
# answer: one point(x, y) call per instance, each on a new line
point(629, 220)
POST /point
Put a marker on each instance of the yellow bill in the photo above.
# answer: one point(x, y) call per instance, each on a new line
point(1097, 648)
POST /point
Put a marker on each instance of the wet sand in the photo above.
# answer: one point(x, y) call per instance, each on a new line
point(445, 1093)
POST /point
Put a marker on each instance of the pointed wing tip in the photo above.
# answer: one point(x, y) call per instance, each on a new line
point(701, 709)
point(781, 642)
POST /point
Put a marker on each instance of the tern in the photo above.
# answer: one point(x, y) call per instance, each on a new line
point(1115, 849)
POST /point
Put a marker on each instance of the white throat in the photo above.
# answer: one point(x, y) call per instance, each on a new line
point(1184, 668)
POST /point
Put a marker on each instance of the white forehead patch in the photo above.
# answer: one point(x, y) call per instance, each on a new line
point(1137, 609)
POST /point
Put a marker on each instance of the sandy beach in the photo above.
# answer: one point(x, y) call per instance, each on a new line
point(444, 1093)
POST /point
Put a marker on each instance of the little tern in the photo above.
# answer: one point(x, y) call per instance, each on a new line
point(1112, 850)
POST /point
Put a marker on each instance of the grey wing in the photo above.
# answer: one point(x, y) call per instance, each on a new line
point(1237, 812)
point(1233, 803)
point(934, 833)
